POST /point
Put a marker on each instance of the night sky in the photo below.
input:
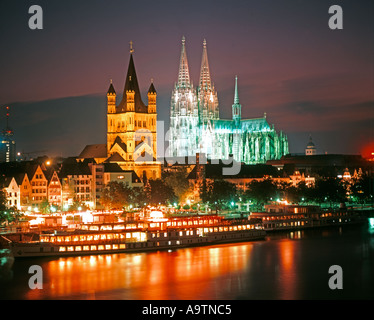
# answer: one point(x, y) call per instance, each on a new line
point(308, 78)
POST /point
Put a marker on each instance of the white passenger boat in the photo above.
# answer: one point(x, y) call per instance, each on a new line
point(137, 236)
point(295, 217)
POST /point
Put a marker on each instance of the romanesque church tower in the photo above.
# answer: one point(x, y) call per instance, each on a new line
point(131, 127)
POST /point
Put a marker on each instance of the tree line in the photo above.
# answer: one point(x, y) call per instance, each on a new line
point(173, 188)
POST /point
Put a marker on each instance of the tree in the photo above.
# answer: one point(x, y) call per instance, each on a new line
point(116, 195)
point(7, 214)
point(138, 196)
point(77, 206)
point(160, 192)
point(177, 180)
point(363, 189)
point(3, 207)
point(292, 194)
point(260, 192)
point(299, 193)
point(329, 190)
point(203, 190)
point(221, 191)
point(45, 206)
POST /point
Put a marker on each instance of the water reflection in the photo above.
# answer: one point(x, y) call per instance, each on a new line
point(180, 274)
point(285, 266)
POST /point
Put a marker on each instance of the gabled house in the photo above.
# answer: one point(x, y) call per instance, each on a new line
point(55, 190)
point(25, 190)
point(39, 185)
point(12, 192)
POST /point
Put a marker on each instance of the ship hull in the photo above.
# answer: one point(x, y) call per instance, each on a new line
point(40, 249)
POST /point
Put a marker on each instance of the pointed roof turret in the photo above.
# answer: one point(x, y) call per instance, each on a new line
point(111, 88)
point(184, 74)
point(152, 88)
point(205, 81)
point(131, 84)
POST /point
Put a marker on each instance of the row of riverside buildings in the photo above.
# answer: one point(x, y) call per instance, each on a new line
point(29, 184)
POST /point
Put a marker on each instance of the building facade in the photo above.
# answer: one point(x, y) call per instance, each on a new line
point(131, 128)
point(196, 127)
point(12, 192)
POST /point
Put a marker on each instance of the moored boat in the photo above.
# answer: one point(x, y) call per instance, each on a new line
point(156, 234)
point(294, 217)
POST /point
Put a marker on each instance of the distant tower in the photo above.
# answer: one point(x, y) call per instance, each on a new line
point(236, 107)
point(310, 148)
point(7, 143)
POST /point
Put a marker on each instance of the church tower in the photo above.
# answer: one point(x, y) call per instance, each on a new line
point(184, 115)
point(132, 127)
point(236, 107)
point(207, 95)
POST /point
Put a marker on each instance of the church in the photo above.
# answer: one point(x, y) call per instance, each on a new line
point(196, 127)
point(131, 129)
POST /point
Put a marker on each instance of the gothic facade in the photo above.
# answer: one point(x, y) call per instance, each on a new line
point(196, 127)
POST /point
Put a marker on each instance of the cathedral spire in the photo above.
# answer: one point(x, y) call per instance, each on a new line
point(205, 81)
point(236, 96)
point(183, 75)
point(236, 107)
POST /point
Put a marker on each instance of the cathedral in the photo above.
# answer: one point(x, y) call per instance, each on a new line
point(196, 127)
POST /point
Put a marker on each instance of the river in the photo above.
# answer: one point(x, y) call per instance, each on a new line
point(286, 265)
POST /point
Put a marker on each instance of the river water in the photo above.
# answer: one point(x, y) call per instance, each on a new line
point(286, 265)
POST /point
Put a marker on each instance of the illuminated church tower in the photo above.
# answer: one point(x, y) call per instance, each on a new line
point(195, 125)
point(207, 95)
point(184, 117)
point(131, 127)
